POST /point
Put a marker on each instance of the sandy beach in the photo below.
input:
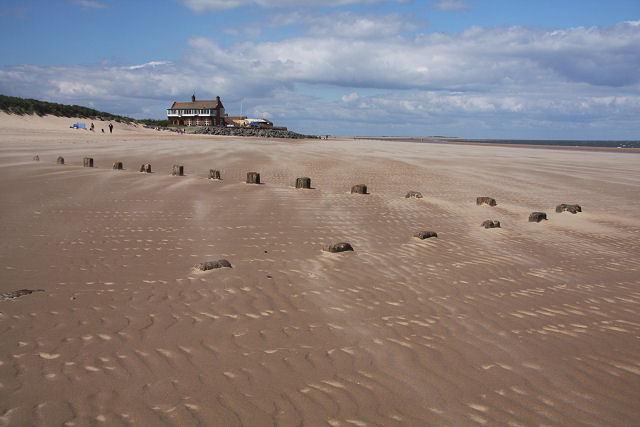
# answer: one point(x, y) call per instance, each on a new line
point(527, 324)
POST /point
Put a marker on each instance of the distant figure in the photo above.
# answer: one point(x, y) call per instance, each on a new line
point(102, 130)
point(110, 128)
point(91, 128)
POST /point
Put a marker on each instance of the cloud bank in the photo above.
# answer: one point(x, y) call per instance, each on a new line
point(336, 78)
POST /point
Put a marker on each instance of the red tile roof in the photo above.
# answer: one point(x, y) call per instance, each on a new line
point(197, 105)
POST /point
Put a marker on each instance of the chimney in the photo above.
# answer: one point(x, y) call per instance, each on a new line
point(193, 98)
point(218, 99)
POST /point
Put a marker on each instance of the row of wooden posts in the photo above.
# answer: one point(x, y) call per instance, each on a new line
point(178, 170)
point(305, 182)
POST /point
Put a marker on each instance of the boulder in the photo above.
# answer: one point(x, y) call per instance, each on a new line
point(413, 195)
point(338, 247)
point(146, 168)
point(490, 223)
point(117, 166)
point(87, 162)
point(574, 209)
point(253, 178)
point(210, 265)
point(486, 201)
point(214, 174)
point(60, 160)
point(178, 170)
point(359, 189)
point(537, 216)
point(425, 234)
point(303, 182)
point(259, 132)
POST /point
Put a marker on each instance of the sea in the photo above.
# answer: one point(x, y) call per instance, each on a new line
point(532, 142)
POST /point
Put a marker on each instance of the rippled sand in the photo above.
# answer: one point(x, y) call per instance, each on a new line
point(527, 324)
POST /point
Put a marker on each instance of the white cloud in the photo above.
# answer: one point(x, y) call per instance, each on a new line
point(347, 24)
point(478, 59)
point(90, 4)
point(451, 5)
point(148, 64)
point(350, 97)
point(207, 5)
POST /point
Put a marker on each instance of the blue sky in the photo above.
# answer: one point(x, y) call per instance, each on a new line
point(468, 68)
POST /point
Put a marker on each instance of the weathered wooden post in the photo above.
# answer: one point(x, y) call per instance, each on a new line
point(425, 234)
point(214, 174)
point(87, 162)
point(210, 265)
point(359, 189)
point(253, 178)
point(486, 201)
point(537, 216)
point(490, 223)
point(117, 166)
point(178, 170)
point(338, 247)
point(60, 160)
point(146, 168)
point(574, 209)
point(303, 182)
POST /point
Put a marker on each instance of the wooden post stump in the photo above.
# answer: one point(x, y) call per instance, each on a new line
point(253, 178)
point(491, 224)
point(574, 209)
point(214, 174)
point(117, 166)
point(146, 168)
point(338, 247)
point(486, 201)
point(19, 293)
point(211, 265)
point(60, 160)
point(359, 189)
point(425, 234)
point(178, 170)
point(537, 216)
point(87, 162)
point(303, 182)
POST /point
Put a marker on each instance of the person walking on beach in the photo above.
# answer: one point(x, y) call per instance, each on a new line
point(110, 128)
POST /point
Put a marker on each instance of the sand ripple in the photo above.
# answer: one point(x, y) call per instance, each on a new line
point(523, 325)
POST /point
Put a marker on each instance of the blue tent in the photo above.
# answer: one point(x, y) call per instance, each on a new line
point(79, 126)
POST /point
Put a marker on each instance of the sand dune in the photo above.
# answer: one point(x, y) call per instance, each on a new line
point(527, 324)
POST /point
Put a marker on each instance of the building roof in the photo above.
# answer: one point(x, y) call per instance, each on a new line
point(213, 104)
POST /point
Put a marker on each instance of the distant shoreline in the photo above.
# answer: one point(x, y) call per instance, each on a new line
point(615, 146)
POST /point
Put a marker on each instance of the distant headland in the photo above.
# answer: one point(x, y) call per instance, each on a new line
point(198, 117)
